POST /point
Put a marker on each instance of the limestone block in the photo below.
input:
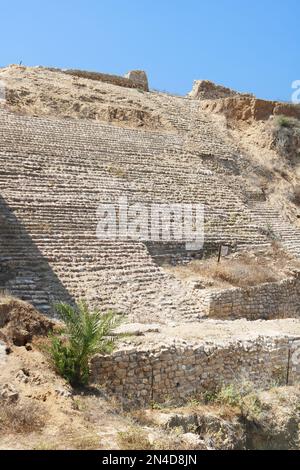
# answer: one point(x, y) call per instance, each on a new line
point(139, 77)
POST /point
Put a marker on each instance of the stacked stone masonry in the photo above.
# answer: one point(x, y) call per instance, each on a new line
point(142, 375)
point(57, 171)
point(134, 79)
point(272, 300)
point(50, 159)
point(65, 168)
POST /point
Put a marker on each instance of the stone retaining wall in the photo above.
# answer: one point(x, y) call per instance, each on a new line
point(142, 375)
point(272, 300)
point(176, 252)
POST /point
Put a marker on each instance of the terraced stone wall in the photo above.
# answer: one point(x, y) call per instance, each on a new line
point(142, 375)
point(267, 301)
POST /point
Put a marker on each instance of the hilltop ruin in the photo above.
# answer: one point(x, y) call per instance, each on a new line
point(71, 139)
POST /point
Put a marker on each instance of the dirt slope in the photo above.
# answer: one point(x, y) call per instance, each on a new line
point(39, 410)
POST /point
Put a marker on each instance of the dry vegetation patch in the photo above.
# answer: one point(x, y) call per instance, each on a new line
point(20, 322)
point(135, 438)
point(238, 270)
point(24, 418)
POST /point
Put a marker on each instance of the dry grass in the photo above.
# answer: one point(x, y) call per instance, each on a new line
point(45, 446)
point(240, 274)
point(5, 296)
point(135, 438)
point(242, 270)
point(86, 442)
point(117, 171)
point(141, 417)
point(22, 418)
point(72, 439)
point(240, 396)
point(235, 273)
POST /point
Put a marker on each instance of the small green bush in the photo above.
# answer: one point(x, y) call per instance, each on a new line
point(244, 397)
point(289, 122)
point(84, 334)
point(229, 395)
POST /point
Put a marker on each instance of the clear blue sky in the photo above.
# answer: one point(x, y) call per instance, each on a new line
point(249, 45)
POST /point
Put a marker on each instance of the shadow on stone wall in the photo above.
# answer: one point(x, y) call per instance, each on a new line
point(24, 270)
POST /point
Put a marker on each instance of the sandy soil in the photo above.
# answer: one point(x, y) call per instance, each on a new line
point(40, 92)
point(212, 331)
point(238, 269)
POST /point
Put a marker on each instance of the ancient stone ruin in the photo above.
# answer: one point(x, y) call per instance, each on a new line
point(110, 137)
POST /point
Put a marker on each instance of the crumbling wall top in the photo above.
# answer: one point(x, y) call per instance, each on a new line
point(134, 79)
point(139, 77)
point(207, 90)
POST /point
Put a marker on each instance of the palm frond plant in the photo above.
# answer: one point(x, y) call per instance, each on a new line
point(84, 334)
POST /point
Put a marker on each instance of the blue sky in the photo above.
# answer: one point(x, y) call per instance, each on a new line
point(249, 45)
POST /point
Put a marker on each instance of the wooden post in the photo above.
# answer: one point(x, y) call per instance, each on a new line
point(220, 250)
point(288, 367)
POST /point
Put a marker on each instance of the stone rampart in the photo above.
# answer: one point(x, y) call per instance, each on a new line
point(146, 374)
point(267, 301)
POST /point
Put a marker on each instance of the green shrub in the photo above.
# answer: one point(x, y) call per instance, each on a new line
point(229, 395)
point(84, 334)
point(243, 397)
point(289, 122)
